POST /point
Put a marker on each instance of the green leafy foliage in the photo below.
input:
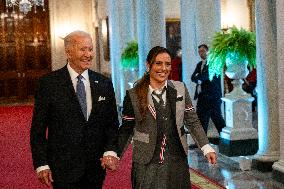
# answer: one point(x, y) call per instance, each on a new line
point(237, 41)
point(129, 57)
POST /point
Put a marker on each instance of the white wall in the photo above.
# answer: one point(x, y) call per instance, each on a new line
point(172, 8)
point(235, 12)
point(65, 17)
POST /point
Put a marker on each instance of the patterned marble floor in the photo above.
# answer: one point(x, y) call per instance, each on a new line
point(230, 176)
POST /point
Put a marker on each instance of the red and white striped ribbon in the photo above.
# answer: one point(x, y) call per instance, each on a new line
point(163, 146)
point(152, 110)
point(128, 118)
point(189, 108)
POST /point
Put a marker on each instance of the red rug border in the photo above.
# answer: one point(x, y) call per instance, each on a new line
point(16, 106)
point(209, 179)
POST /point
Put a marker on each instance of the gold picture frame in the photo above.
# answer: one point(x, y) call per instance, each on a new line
point(173, 35)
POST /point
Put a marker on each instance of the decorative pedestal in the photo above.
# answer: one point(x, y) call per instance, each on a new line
point(238, 138)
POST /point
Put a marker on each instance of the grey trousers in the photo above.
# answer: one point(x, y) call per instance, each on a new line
point(172, 174)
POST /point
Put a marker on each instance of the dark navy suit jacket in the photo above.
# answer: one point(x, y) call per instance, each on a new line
point(209, 89)
point(73, 146)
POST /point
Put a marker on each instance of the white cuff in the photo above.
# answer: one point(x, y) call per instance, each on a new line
point(206, 149)
point(41, 168)
point(111, 153)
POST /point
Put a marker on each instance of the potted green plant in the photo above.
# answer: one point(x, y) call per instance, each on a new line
point(234, 51)
point(236, 45)
point(129, 56)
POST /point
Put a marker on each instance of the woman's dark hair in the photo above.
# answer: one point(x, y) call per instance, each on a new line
point(142, 86)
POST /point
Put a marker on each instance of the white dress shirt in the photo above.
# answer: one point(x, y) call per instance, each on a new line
point(159, 91)
point(86, 82)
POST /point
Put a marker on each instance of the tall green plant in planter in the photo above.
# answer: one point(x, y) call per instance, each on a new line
point(236, 46)
point(129, 57)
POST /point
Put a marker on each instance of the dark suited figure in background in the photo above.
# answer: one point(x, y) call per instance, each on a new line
point(78, 108)
point(208, 93)
point(154, 113)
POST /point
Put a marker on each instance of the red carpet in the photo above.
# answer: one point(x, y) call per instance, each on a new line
point(16, 170)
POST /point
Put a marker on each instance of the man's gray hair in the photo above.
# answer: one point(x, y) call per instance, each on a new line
point(71, 38)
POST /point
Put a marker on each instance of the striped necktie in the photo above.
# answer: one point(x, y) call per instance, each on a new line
point(160, 96)
point(164, 139)
point(81, 94)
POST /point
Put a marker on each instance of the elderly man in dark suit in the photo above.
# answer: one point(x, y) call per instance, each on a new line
point(77, 106)
point(208, 93)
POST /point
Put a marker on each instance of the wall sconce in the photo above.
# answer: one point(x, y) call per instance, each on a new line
point(234, 13)
point(227, 20)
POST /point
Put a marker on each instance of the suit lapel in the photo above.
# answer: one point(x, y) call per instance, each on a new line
point(151, 106)
point(70, 91)
point(67, 83)
point(172, 96)
point(199, 67)
point(94, 93)
point(205, 68)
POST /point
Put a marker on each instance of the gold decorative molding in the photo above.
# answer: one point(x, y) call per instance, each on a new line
point(251, 7)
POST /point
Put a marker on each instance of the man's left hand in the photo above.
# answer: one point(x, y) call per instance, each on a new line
point(109, 162)
point(212, 158)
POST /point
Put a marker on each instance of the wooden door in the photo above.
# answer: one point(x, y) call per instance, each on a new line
point(25, 53)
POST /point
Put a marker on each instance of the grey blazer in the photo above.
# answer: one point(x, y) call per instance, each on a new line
point(144, 134)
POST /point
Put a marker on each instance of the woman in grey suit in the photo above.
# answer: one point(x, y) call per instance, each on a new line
point(155, 112)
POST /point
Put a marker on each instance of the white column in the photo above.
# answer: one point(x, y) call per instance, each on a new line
point(150, 28)
point(121, 32)
point(200, 19)
point(267, 77)
point(279, 165)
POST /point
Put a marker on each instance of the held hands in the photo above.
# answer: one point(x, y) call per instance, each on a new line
point(45, 177)
point(109, 162)
point(212, 158)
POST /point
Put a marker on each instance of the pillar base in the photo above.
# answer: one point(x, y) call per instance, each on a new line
point(263, 166)
point(278, 176)
point(278, 171)
point(238, 147)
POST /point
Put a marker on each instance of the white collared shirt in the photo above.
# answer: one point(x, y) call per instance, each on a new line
point(159, 91)
point(204, 62)
point(86, 82)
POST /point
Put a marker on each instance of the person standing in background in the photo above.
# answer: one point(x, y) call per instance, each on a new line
point(249, 86)
point(208, 93)
point(176, 73)
point(78, 108)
